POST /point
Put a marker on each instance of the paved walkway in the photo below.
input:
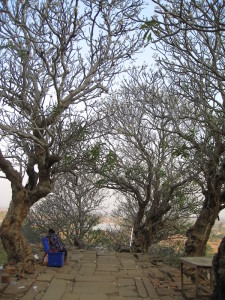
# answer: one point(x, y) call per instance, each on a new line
point(94, 275)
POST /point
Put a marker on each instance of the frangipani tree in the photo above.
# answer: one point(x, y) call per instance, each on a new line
point(138, 157)
point(189, 38)
point(56, 57)
point(73, 208)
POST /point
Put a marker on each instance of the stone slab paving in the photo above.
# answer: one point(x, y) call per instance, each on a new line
point(94, 275)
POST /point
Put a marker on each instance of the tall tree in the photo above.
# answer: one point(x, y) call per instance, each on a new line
point(73, 208)
point(137, 157)
point(190, 38)
point(56, 57)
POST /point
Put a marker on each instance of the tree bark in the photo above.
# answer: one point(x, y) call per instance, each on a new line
point(139, 239)
point(198, 234)
point(142, 239)
point(18, 251)
point(219, 272)
point(15, 245)
point(144, 232)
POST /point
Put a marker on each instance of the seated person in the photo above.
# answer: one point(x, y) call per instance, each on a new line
point(55, 243)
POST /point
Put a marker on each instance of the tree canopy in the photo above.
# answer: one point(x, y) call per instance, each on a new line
point(56, 58)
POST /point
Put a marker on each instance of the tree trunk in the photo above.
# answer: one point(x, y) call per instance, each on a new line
point(18, 251)
point(15, 245)
point(219, 272)
point(139, 238)
point(142, 240)
point(38, 186)
point(145, 235)
point(144, 232)
point(198, 234)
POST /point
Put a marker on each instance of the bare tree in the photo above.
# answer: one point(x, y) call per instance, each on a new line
point(174, 221)
point(137, 157)
point(73, 208)
point(190, 37)
point(56, 58)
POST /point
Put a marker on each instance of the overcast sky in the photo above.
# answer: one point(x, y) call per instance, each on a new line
point(6, 193)
point(145, 57)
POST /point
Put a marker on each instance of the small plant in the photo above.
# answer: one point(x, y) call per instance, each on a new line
point(169, 254)
point(213, 236)
point(111, 239)
point(209, 251)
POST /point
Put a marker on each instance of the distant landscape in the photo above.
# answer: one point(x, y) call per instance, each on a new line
point(2, 214)
point(218, 232)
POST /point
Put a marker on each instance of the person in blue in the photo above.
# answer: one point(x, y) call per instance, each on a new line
point(55, 243)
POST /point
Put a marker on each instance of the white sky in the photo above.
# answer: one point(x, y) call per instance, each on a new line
point(6, 193)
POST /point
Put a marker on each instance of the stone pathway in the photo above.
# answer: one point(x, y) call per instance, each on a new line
point(94, 275)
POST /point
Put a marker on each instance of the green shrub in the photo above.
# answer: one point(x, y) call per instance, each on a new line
point(111, 239)
point(209, 251)
point(169, 254)
point(213, 236)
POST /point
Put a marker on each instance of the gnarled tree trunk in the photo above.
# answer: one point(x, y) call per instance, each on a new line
point(198, 234)
point(138, 241)
point(219, 272)
point(143, 239)
point(37, 187)
point(144, 232)
point(18, 251)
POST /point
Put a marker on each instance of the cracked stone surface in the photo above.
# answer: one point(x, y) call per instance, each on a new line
point(95, 275)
